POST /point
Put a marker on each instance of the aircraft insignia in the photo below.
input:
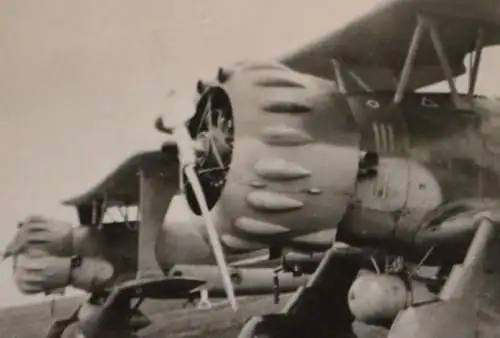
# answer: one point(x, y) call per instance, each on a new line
point(374, 104)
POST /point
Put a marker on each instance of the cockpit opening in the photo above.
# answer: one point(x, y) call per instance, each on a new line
point(368, 165)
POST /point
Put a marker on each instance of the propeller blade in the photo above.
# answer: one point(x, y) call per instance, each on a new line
point(212, 234)
point(187, 159)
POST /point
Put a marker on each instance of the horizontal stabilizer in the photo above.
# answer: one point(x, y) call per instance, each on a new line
point(156, 192)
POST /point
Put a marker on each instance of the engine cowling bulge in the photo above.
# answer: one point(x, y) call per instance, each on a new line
point(376, 299)
point(295, 151)
point(51, 254)
point(42, 273)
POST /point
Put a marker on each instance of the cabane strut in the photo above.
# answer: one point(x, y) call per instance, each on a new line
point(426, 23)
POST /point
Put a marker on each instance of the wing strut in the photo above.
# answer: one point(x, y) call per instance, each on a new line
point(410, 58)
point(155, 195)
point(478, 51)
point(443, 59)
point(425, 23)
point(92, 213)
point(340, 72)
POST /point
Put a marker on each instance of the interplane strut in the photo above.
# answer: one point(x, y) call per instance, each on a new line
point(100, 211)
point(426, 23)
point(478, 50)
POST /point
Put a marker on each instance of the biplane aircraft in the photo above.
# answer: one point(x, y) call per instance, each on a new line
point(331, 144)
point(49, 255)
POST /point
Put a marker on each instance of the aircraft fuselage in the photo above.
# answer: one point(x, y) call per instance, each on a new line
point(309, 159)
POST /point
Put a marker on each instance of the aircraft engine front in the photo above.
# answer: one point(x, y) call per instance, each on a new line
point(50, 254)
point(376, 299)
point(278, 148)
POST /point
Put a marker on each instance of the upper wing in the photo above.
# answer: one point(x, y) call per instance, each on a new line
point(379, 40)
point(149, 180)
point(121, 187)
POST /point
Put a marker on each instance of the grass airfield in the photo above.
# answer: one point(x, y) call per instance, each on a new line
point(169, 318)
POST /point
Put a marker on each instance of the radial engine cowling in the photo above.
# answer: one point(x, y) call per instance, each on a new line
point(376, 299)
point(294, 148)
point(50, 254)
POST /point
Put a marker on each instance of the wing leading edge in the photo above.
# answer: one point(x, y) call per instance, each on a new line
point(122, 186)
point(380, 39)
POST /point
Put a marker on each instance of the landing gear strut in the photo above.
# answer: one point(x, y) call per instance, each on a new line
point(317, 308)
point(204, 303)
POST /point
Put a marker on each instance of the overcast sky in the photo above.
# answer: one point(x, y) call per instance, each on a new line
point(82, 81)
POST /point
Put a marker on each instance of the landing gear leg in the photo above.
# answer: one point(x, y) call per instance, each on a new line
point(318, 310)
point(58, 327)
point(204, 303)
